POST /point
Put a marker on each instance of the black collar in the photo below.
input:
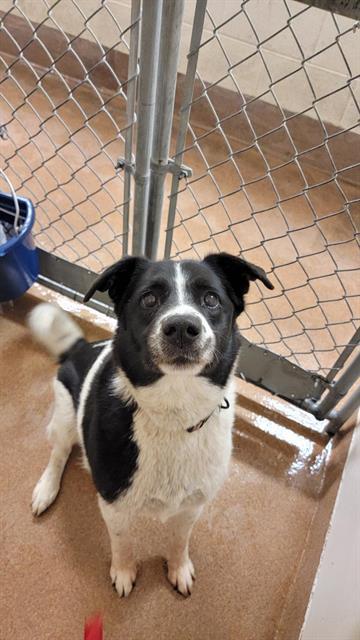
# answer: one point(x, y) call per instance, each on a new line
point(196, 427)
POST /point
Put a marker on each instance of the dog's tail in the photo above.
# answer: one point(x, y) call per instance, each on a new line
point(53, 328)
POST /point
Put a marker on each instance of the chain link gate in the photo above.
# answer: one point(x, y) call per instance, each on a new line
point(88, 132)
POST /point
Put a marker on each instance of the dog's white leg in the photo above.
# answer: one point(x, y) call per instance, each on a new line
point(123, 566)
point(181, 572)
point(62, 435)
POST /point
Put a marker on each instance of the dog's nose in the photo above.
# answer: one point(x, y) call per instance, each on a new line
point(181, 330)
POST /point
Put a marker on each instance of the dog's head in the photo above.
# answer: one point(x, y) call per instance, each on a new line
point(176, 315)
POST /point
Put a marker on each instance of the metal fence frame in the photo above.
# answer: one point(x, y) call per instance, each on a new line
point(154, 84)
point(316, 394)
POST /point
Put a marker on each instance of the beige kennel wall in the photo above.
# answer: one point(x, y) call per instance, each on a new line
point(315, 30)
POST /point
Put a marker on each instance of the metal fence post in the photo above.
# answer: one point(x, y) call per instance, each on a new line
point(149, 53)
point(338, 417)
point(130, 115)
point(165, 98)
point(339, 389)
point(344, 355)
point(185, 114)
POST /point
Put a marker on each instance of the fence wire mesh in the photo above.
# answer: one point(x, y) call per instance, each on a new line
point(63, 99)
point(273, 179)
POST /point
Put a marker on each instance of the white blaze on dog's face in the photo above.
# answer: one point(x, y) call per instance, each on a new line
point(177, 315)
point(182, 335)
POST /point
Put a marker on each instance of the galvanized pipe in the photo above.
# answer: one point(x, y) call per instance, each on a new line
point(172, 14)
point(184, 115)
point(344, 355)
point(149, 55)
point(130, 115)
point(337, 418)
point(337, 391)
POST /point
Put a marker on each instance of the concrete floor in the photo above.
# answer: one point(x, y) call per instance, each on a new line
point(256, 548)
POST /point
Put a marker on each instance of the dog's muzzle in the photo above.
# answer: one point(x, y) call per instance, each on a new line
point(182, 339)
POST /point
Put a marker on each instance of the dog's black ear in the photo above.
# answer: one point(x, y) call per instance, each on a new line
point(115, 279)
point(236, 275)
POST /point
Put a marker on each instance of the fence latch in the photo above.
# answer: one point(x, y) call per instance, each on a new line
point(123, 164)
point(181, 171)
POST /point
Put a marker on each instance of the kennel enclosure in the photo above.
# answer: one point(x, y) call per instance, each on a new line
point(178, 128)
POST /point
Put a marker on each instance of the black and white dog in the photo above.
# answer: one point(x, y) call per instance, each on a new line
point(153, 408)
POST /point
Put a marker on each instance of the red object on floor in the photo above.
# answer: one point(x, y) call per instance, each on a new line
point(94, 629)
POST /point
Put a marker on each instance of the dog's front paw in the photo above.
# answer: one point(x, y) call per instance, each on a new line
point(182, 577)
point(123, 580)
point(44, 493)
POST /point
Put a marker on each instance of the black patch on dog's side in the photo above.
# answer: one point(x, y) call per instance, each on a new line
point(108, 435)
point(75, 364)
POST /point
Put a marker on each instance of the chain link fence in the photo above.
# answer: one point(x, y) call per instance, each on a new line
point(65, 120)
point(273, 178)
point(273, 150)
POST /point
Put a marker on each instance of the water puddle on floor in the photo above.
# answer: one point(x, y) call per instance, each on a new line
point(289, 443)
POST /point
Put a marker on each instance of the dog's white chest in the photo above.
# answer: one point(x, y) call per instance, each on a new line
point(177, 468)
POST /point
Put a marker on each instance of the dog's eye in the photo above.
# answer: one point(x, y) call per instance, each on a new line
point(148, 300)
point(211, 300)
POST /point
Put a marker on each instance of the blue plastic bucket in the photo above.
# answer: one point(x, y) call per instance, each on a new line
point(19, 266)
